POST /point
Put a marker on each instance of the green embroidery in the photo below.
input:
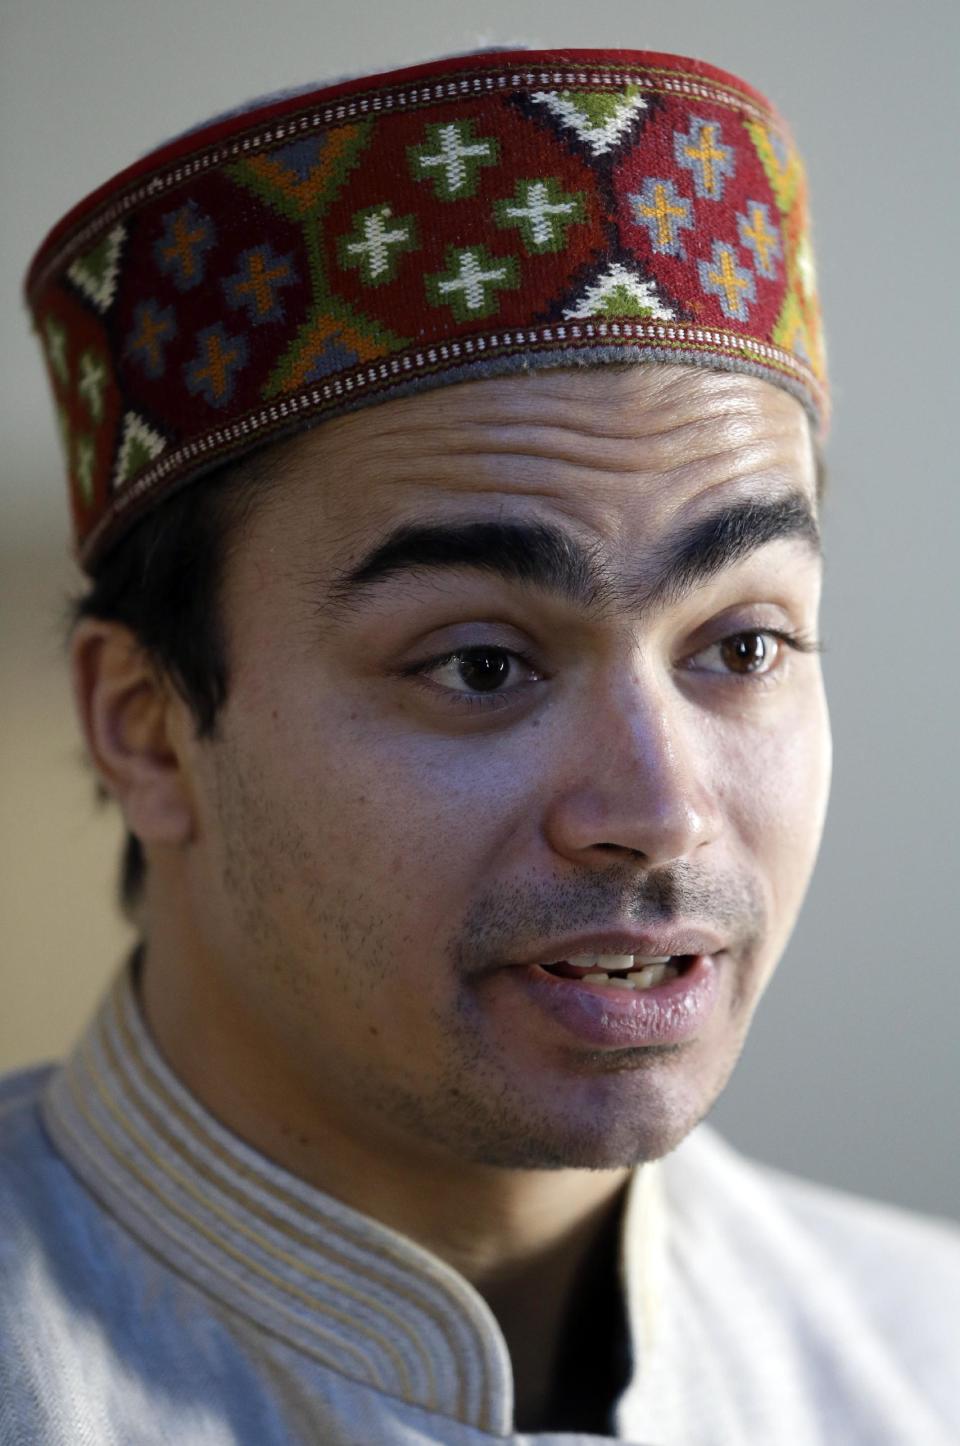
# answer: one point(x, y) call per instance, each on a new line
point(599, 119)
point(620, 301)
point(452, 157)
point(96, 272)
point(139, 446)
point(782, 166)
point(301, 180)
point(333, 338)
point(471, 284)
point(85, 458)
point(376, 243)
point(543, 212)
point(790, 330)
point(92, 382)
point(55, 338)
point(619, 291)
point(599, 108)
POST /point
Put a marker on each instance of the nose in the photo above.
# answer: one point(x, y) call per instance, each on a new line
point(638, 778)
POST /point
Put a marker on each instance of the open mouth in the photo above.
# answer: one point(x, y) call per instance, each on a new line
point(621, 971)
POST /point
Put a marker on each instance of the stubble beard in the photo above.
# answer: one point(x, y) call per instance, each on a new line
point(602, 1110)
point(606, 1110)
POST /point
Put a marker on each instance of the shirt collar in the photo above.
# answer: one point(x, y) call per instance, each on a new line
point(327, 1280)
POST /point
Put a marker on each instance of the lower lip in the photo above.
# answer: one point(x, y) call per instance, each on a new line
point(605, 1016)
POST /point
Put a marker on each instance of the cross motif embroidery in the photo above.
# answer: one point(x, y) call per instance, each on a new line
point(212, 372)
point(377, 242)
point(93, 380)
point(83, 468)
point(470, 287)
point(187, 237)
point(702, 152)
point(452, 157)
point(734, 286)
point(759, 236)
point(56, 339)
point(543, 212)
point(256, 286)
point(660, 208)
point(153, 327)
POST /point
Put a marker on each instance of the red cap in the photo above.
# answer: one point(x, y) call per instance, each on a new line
point(458, 219)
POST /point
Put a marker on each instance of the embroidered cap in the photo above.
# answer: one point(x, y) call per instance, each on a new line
point(453, 220)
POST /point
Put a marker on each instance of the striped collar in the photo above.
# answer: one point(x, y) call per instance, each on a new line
point(330, 1282)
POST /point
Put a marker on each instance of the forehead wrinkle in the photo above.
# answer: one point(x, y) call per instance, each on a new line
point(641, 412)
point(494, 444)
point(578, 487)
point(625, 402)
point(756, 463)
point(641, 449)
point(632, 391)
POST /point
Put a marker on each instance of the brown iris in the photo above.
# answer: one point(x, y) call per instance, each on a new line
point(746, 652)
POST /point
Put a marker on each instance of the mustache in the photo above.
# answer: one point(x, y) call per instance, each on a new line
point(509, 920)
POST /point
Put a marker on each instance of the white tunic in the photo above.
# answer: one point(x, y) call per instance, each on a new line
point(161, 1282)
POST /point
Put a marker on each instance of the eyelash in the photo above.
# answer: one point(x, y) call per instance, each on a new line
point(799, 642)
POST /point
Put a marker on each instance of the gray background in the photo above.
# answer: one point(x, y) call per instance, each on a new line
point(851, 1074)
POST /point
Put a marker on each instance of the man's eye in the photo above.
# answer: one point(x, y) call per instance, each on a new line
point(477, 673)
point(485, 674)
point(755, 652)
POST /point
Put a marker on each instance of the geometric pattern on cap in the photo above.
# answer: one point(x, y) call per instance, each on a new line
point(459, 219)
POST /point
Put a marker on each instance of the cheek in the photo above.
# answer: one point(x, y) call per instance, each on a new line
point(776, 796)
point(384, 805)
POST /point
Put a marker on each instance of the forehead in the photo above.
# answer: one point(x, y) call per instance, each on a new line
point(611, 452)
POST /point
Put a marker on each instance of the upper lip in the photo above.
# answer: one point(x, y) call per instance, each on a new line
point(679, 939)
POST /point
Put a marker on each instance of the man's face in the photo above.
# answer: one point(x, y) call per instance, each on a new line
point(515, 739)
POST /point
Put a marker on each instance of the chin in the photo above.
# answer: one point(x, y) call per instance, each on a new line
point(632, 1141)
point(597, 1110)
point(612, 1119)
point(638, 1105)
point(598, 1149)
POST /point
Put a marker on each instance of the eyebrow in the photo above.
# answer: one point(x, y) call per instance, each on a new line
point(545, 555)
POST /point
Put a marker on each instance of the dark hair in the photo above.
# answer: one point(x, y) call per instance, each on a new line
point(162, 581)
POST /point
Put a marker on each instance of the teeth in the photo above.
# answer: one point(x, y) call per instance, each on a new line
point(646, 978)
point(613, 963)
point(606, 962)
point(653, 974)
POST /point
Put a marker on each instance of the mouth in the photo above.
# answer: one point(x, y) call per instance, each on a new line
point(623, 1000)
point(621, 971)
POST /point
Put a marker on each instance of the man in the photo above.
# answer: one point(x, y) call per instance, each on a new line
point(474, 754)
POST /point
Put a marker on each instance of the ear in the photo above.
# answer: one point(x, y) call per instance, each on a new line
point(136, 728)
